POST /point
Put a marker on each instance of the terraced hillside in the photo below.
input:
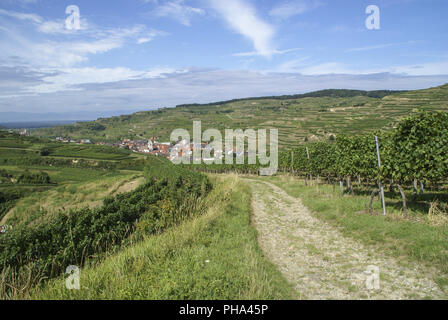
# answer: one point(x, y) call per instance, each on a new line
point(300, 117)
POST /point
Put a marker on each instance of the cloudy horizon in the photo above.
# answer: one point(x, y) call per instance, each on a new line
point(144, 54)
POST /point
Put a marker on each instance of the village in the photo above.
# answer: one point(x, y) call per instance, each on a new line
point(182, 149)
point(151, 146)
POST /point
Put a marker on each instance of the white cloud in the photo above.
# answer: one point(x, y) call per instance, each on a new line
point(292, 8)
point(72, 78)
point(149, 36)
point(424, 69)
point(327, 68)
point(56, 53)
point(45, 26)
point(274, 52)
point(144, 40)
point(305, 67)
point(201, 86)
point(22, 16)
point(242, 18)
point(177, 10)
point(292, 65)
point(379, 46)
point(58, 27)
point(68, 52)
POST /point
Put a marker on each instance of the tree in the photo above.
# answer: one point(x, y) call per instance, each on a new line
point(44, 152)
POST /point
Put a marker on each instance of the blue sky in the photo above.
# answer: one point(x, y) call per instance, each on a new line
point(133, 55)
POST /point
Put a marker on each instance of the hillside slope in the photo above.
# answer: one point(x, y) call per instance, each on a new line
point(214, 255)
point(297, 117)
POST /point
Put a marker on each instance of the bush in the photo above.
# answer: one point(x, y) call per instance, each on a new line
point(34, 178)
point(44, 152)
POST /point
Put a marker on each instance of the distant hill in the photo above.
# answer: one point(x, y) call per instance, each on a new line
point(85, 115)
point(34, 124)
point(298, 117)
point(332, 93)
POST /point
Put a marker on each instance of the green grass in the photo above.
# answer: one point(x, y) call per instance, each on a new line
point(409, 239)
point(14, 146)
point(64, 174)
point(88, 193)
point(213, 256)
point(88, 152)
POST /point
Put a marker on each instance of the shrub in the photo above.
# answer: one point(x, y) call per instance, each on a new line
point(34, 178)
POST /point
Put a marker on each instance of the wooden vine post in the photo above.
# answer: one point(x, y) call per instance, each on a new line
point(308, 157)
point(380, 183)
point(292, 163)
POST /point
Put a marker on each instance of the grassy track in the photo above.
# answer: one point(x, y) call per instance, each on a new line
point(321, 262)
point(407, 239)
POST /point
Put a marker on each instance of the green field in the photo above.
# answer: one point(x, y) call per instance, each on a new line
point(18, 146)
point(78, 173)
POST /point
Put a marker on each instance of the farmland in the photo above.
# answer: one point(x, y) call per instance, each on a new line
point(142, 228)
point(67, 166)
point(317, 115)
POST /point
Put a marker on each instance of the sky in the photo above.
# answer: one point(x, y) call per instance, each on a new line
point(122, 56)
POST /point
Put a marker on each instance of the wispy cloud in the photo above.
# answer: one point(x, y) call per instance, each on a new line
point(292, 65)
point(327, 68)
point(172, 88)
point(58, 27)
point(177, 10)
point(379, 46)
point(64, 52)
point(45, 26)
point(22, 3)
point(75, 79)
point(150, 35)
point(242, 17)
point(274, 52)
point(51, 53)
point(21, 16)
point(306, 66)
point(423, 69)
point(292, 8)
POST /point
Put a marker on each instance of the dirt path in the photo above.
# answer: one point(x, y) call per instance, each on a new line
point(323, 264)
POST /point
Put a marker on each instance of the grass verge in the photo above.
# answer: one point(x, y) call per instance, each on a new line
point(213, 256)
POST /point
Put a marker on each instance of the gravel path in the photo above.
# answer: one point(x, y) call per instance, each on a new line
point(323, 264)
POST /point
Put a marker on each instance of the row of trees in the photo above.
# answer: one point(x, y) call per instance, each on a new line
point(25, 177)
point(31, 160)
point(416, 149)
point(28, 177)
